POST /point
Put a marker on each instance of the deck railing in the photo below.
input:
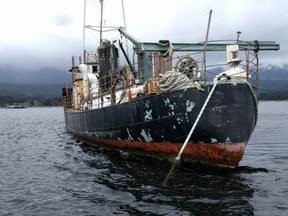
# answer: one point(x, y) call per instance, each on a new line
point(122, 83)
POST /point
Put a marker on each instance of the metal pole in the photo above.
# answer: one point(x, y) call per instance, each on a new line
point(123, 14)
point(101, 20)
point(125, 27)
point(84, 23)
point(205, 47)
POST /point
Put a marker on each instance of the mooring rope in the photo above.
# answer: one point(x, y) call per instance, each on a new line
point(177, 159)
point(174, 80)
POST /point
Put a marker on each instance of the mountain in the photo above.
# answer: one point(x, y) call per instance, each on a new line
point(271, 72)
point(48, 82)
point(273, 78)
point(31, 90)
point(10, 74)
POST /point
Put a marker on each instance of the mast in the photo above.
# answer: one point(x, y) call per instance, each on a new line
point(101, 20)
point(123, 11)
point(84, 22)
point(203, 68)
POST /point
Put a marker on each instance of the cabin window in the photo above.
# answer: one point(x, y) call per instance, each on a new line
point(95, 69)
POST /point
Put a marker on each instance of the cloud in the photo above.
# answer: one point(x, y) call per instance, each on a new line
point(63, 20)
point(44, 33)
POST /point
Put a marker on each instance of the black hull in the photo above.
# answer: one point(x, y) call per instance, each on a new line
point(159, 124)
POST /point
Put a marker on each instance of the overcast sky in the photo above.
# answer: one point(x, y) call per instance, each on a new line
point(41, 33)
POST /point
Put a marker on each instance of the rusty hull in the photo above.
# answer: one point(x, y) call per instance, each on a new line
point(226, 155)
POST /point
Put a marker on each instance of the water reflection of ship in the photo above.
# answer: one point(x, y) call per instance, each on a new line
point(195, 191)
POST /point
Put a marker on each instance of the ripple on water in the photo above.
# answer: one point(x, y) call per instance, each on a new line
point(44, 171)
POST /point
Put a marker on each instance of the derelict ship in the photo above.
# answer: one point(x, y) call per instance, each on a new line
point(168, 102)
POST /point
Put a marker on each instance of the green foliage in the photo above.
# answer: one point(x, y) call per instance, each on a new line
point(30, 102)
point(31, 94)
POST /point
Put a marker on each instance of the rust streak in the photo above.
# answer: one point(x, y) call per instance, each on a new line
point(220, 154)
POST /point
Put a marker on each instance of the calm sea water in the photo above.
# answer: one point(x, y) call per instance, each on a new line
point(44, 171)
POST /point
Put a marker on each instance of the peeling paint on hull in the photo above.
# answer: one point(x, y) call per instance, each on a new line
point(159, 124)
